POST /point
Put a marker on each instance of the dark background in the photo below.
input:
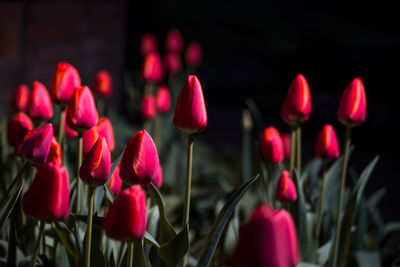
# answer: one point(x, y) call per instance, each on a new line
point(251, 49)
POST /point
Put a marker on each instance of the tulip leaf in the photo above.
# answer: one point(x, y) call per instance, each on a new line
point(349, 213)
point(139, 259)
point(388, 228)
point(108, 194)
point(98, 198)
point(10, 203)
point(115, 164)
point(368, 258)
point(220, 223)
point(64, 235)
point(172, 252)
point(149, 239)
point(251, 104)
point(306, 264)
point(323, 253)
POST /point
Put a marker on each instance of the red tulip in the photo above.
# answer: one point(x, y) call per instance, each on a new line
point(95, 168)
point(48, 196)
point(89, 138)
point(148, 109)
point(82, 112)
point(353, 106)
point(126, 217)
point(18, 127)
point(55, 153)
point(286, 190)
point(68, 131)
point(36, 145)
point(65, 79)
point(148, 44)
point(140, 159)
point(163, 100)
point(103, 84)
point(296, 107)
point(157, 181)
point(40, 107)
point(152, 70)
point(286, 140)
point(174, 41)
point(115, 183)
point(271, 145)
point(268, 239)
point(21, 98)
point(327, 147)
point(194, 54)
point(105, 130)
point(173, 63)
point(190, 111)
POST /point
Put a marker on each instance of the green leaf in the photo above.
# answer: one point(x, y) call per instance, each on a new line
point(149, 239)
point(65, 236)
point(323, 253)
point(98, 198)
point(306, 264)
point(96, 255)
point(223, 217)
point(388, 228)
point(368, 258)
point(108, 194)
point(172, 252)
point(10, 203)
point(138, 255)
point(251, 104)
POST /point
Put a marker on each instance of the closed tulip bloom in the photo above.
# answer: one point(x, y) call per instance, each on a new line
point(115, 183)
point(68, 131)
point(152, 69)
point(95, 168)
point(148, 109)
point(140, 159)
point(353, 106)
point(82, 112)
point(126, 217)
point(327, 147)
point(55, 153)
point(21, 98)
point(163, 100)
point(190, 111)
point(103, 84)
point(268, 239)
point(18, 127)
point(286, 190)
point(148, 44)
point(271, 145)
point(89, 138)
point(40, 107)
point(174, 41)
point(194, 54)
point(36, 145)
point(286, 144)
point(296, 107)
point(173, 63)
point(65, 79)
point(48, 196)
point(105, 130)
point(158, 178)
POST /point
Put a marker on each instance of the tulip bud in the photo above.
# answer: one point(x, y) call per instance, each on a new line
point(115, 183)
point(126, 217)
point(55, 153)
point(82, 112)
point(296, 107)
point(271, 145)
point(48, 196)
point(105, 130)
point(286, 140)
point(89, 138)
point(36, 145)
point(327, 147)
point(65, 79)
point(68, 131)
point(174, 41)
point(18, 127)
point(139, 160)
point(285, 190)
point(40, 107)
point(190, 111)
point(353, 106)
point(148, 44)
point(163, 100)
point(21, 98)
point(95, 168)
point(173, 63)
point(152, 70)
point(268, 239)
point(157, 181)
point(194, 54)
point(148, 109)
point(103, 84)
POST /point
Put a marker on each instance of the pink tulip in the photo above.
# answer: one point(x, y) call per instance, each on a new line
point(40, 107)
point(174, 41)
point(36, 145)
point(65, 79)
point(163, 99)
point(286, 140)
point(152, 70)
point(148, 109)
point(194, 54)
point(103, 83)
point(82, 112)
point(327, 147)
point(21, 97)
point(89, 138)
point(286, 190)
point(271, 145)
point(115, 183)
point(173, 63)
point(105, 130)
point(18, 127)
point(148, 44)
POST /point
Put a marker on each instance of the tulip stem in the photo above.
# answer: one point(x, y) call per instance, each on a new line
point(78, 180)
point(292, 149)
point(37, 246)
point(298, 151)
point(157, 131)
point(13, 183)
point(89, 226)
point(61, 128)
point(347, 142)
point(186, 208)
point(321, 201)
point(129, 262)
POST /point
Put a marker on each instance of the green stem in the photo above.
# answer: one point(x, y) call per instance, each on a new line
point(292, 150)
point(78, 180)
point(89, 226)
point(37, 246)
point(129, 262)
point(321, 202)
point(347, 142)
point(13, 183)
point(61, 129)
point(157, 131)
point(298, 151)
